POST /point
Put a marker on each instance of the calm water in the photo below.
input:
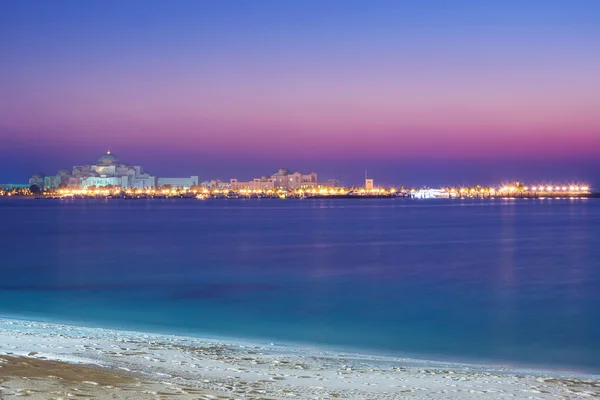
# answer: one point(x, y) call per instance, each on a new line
point(495, 280)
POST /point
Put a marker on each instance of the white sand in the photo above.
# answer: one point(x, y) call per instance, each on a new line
point(245, 370)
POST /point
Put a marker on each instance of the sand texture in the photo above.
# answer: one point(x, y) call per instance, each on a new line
point(127, 365)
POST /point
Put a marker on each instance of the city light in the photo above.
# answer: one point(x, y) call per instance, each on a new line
point(311, 190)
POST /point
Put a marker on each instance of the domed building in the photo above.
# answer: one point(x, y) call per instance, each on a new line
point(108, 159)
point(107, 170)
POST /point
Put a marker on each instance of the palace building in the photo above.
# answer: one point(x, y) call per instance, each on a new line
point(107, 170)
point(283, 179)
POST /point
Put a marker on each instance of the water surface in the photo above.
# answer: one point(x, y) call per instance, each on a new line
point(507, 281)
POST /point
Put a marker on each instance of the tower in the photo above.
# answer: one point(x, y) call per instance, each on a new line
point(368, 182)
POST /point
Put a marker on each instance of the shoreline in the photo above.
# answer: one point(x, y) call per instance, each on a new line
point(283, 346)
point(245, 369)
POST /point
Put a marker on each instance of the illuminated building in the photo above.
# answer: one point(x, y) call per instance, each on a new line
point(184, 183)
point(334, 183)
point(37, 179)
point(13, 186)
point(219, 184)
point(429, 194)
point(107, 170)
point(283, 179)
point(264, 183)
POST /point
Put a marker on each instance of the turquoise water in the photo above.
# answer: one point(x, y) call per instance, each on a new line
point(503, 281)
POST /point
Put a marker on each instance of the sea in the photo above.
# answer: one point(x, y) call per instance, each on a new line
point(499, 281)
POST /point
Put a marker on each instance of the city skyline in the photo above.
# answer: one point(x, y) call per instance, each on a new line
point(461, 93)
point(109, 167)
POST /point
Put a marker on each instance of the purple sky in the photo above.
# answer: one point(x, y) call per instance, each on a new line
point(441, 92)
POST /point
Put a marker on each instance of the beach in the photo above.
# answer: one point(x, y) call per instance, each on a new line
point(39, 359)
point(368, 300)
point(42, 379)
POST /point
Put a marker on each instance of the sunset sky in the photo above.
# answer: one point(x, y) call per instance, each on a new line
point(417, 92)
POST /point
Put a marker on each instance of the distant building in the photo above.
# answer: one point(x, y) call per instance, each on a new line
point(219, 184)
point(369, 183)
point(11, 186)
point(107, 170)
point(38, 180)
point(101, 181)
point(334, 183)
point(429, 194)
point(283, 179)
point(264, 183)
point(184, 183)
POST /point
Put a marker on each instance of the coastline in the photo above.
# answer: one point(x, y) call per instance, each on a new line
point(587, 196)
point(251, 370)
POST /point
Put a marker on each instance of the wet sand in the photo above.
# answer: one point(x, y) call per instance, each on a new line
point(43, 379)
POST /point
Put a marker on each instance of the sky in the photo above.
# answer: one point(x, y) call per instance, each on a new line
point(416, 92)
